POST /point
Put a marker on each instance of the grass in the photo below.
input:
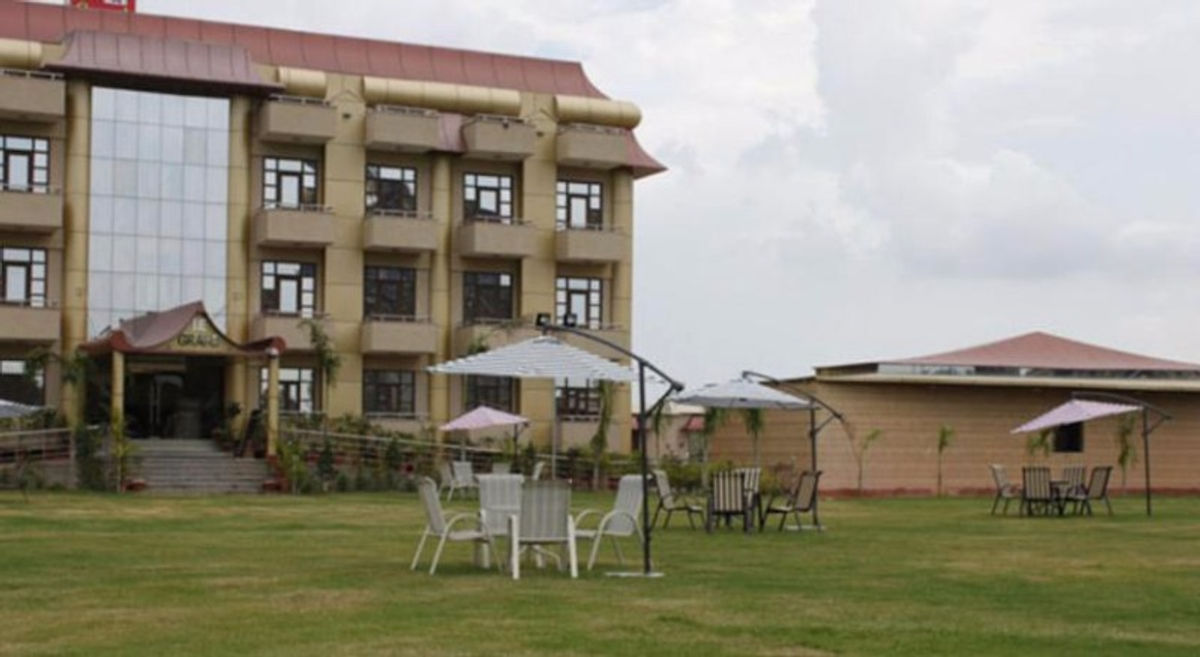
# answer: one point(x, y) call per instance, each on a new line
point(275, 575)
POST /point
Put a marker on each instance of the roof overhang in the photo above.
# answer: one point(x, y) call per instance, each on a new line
point(185, 330)
point(1075, 383)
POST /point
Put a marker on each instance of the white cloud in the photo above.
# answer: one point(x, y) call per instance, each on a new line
point(871, 179)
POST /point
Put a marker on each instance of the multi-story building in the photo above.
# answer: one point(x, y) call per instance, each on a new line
point(417, 202)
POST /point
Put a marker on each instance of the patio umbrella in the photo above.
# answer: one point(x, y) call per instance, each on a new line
point(10, 409)
point(742, 393)
point(543, 357)
point(486, 417)
point(549, 358)
point(1085, 406)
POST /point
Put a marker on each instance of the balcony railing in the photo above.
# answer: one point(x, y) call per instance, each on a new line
point(493, 219)
point(23, 73)
point(27, 188)
point(32, 95)
point(394, 213)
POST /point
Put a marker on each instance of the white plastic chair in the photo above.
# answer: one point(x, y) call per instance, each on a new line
point(443, 528)
point(462, 477)
point(499, 499)
point(545, 520)
point(621, 522)
point(537, 470)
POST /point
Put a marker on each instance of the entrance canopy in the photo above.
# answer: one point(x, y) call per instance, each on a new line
point(1074, 412)
point(184, 330)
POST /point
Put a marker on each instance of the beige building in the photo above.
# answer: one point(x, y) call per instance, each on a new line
point(417, 202)
point(982, 393)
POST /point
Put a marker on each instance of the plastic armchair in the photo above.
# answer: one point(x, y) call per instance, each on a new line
point(437, 524)
point(620, 522)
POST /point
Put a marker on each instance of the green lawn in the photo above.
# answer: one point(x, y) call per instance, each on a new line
point(139, 575)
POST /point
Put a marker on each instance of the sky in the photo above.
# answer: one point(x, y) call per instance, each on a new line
point(854, 180)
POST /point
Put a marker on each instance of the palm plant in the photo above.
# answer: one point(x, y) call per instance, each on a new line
point(599, 441)
point(859, 449)
point(329, 361)
point(755, 421)
point(1039, 442)
point(1126, 450)
point(944, 440)
point(713, 419)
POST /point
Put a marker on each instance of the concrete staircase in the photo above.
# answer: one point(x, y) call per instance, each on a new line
point(195, 466)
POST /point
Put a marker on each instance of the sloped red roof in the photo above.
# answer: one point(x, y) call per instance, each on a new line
point(694, 423)
point(1046, 351)
point(340, 54)
point(137, 56)
point(149, 332)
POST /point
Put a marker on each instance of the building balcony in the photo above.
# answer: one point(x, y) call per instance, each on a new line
point(617, 335)
point(403, 129)
point(295, 120)
point(591, 146)
point(300, 226)
point(492, 237)
point(499, 138)
point(25, 323)
point(591, 245)
point(398, 231)
point(33, 210)
point(491, 334)
point(398, 335)
point(32, 96)
point(268, 324)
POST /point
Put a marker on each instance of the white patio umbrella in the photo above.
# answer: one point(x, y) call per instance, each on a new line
point(16, 409)
point(543, 357)
point(744, 393)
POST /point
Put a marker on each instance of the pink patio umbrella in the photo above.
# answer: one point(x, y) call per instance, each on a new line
point(486, 417)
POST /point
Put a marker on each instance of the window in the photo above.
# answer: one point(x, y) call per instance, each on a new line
point(289, 183)
point(487, 296)
point(1069, 438)
point(579, 205)
point(499, 392)
point(289, 288)
point(24, 164)
point(487, 198)
point(23, 276)
point(392, 392)
point(296, 389)
point(389, 292)
point(581, 297)
point(18, 386)
point(578, 401)
point(391, 188)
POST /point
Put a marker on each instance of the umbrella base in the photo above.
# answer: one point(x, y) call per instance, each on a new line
point(654, 574)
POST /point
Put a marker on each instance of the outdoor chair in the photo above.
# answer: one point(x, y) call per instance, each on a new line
point(462, 478)
point(1097, 489)
point(437, 524)
point(1004, 488)
point(544, 520)
point(537, 470)
point(1073, 476)
point(621, 522)
point(445, 477)
point(501, 467)
point(1037, 494)
point(752, 484)
point(727, 499)
point(801, 499)
point(669, 503)
point(499, 498)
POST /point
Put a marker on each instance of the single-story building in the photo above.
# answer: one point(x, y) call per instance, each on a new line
point(981, 393)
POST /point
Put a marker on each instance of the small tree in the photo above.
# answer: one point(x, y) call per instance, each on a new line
point(859, 449)
point(74, 369)
point(1126, 450)
point(754, 420)
point(944, 440)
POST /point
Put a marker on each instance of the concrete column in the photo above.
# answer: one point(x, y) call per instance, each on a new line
point(272, 401)
point(235, 390)
point(439, 287)
point(117, 411)
point(75, 234)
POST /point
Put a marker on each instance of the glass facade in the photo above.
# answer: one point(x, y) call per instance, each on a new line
point(159, 193)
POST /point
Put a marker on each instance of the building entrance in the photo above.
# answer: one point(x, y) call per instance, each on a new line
point(174, 397)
